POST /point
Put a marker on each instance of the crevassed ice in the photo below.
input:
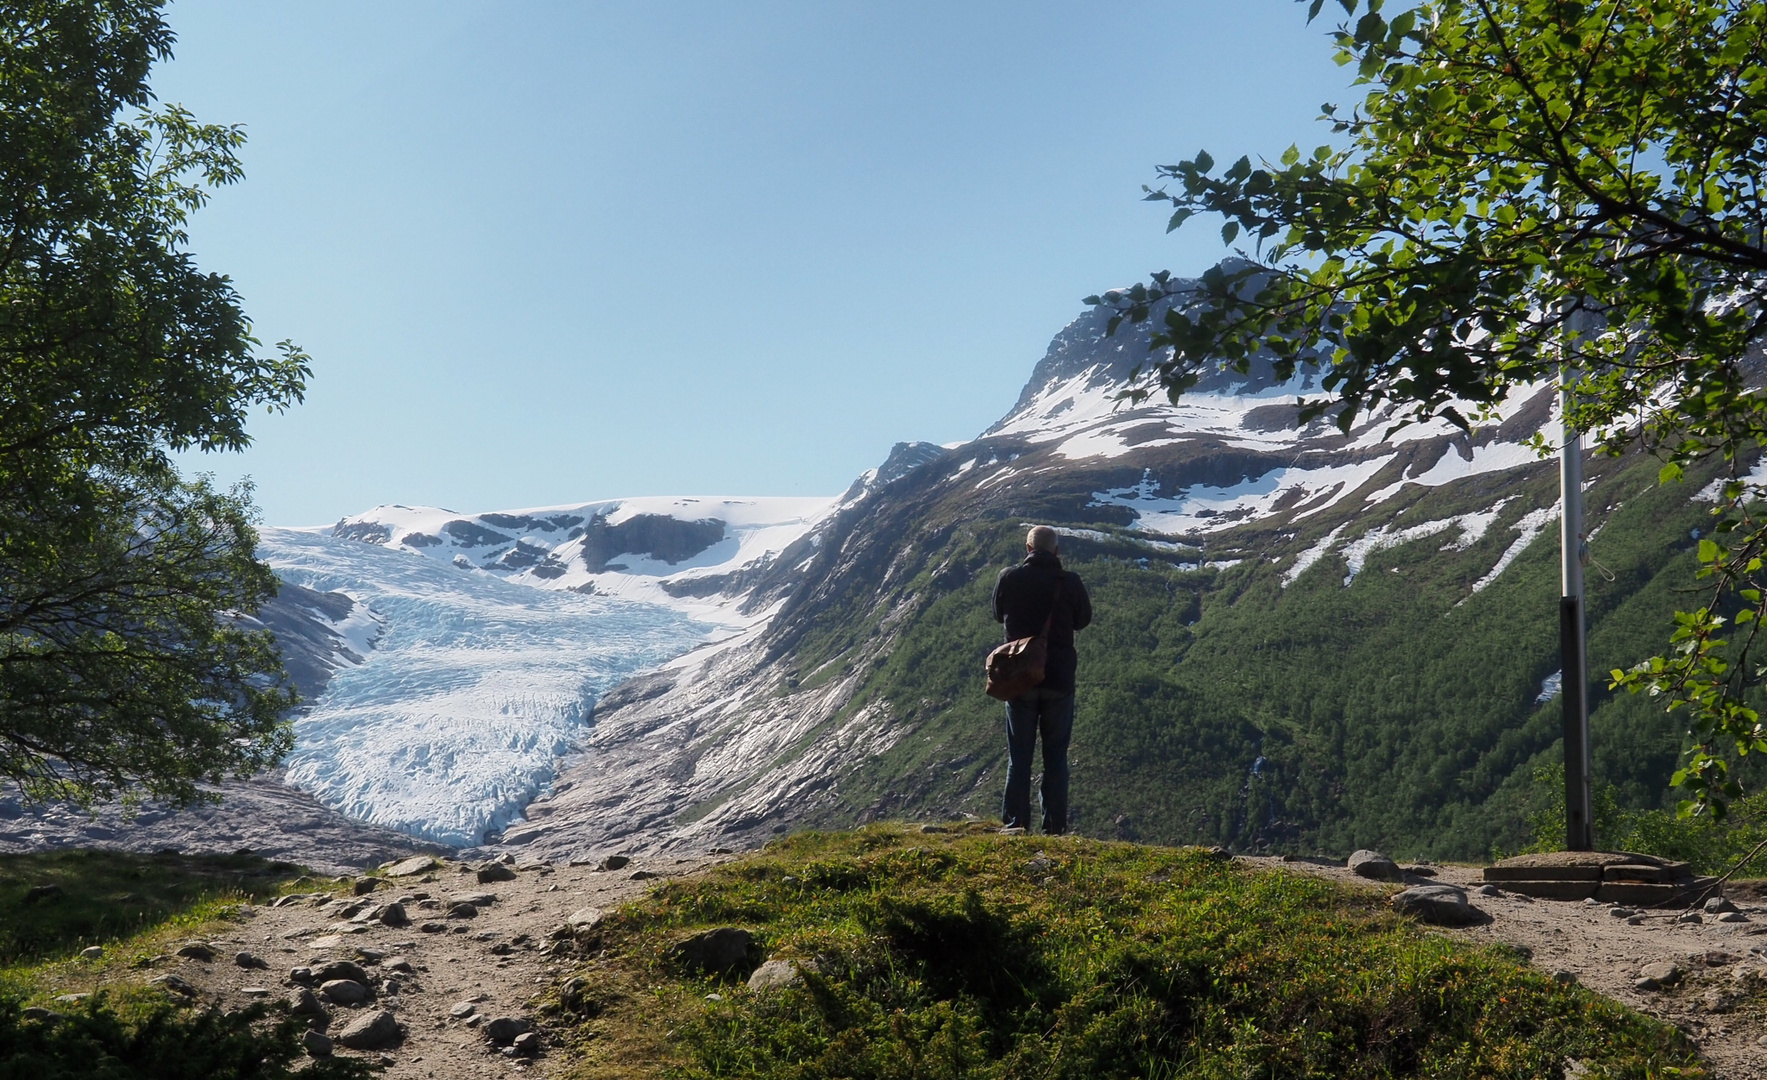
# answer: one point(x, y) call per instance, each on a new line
point(453, 722)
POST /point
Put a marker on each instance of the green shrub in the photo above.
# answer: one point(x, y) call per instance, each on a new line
point(1711, 846)
point(967, 955)
point(149, 1038)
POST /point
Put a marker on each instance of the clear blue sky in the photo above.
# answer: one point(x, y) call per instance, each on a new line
point(552, 252)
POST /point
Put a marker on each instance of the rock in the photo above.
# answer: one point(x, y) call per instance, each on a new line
point(503, 1030)
point(92, 952)
point(495, 872)
point(1439, 905)
point(585, 919)
point(37, 1012)
point(572, 993)
point(642, 875)
point(38, 893)
point(413, 866)
point(247, 960)
point(615, 862)
point(401, 965)
point(1617, 912)
point(462, 1010)
point(1690, 917)
point(173, 983)
point(723, 951)
point(304, 1002)
point(391, 915)
point(195, 950)
point(433, 928)
point(1659, 975)
point(461, 911)
point(344, 992)
point(477, 899)
point(300, 975)
point(316, 1044)
point(1564, 978)
point(1733, 916)
point(376, 1031)
point(1372, 864)
point(1718, 905)
point(941, 828)
point(340, 969)
point(1489, 890)
point(1717, 1000)
point(1719, 958)
point(255, 991)
point(527, 1043)
point(775, 974)
point(365, 885)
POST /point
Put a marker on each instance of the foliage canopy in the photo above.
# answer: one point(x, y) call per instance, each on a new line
point(120, 666)
point(1527, 184)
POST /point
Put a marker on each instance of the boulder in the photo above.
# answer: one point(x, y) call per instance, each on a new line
point(316, 1044)
point(173, 983)
point(462, 911)
point(503, 1030)
point(377, 1030)
point(1439, 905)
point(365, 885)
point(390, 915)
point(775, 974)
point(496, 871)
point(615, 862)
point(1372, 864)
point(417, 864)
point(724, 951)
point(1717, 905)
point(195, 950)
point(344, 992)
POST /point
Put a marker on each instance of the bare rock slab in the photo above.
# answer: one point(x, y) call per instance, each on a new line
point(1438, 905)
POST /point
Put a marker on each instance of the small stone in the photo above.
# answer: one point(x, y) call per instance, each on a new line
point(365, 885)
point(304, 1002)
point(92, 952)
point(775, 974)
point(1718, 905)
point(572, 993)
point(462, 911)
point(615, 862)
point(433, 928)
point(1618, 912)
point(1372, 864)
point(194, 950)
point(247, 960)
point(1489, 890)
point(316, 1044)
point(1635, 920)
point(1733, 917)
point(1440, 905)
point(1590, 901)
point(477, 899)
point(1658, 975)
point(255, 991)
point(1564, 978)
point(392, 915)
point(1717, 1000)
point(413, 866)
point(1690, 917)
point(300, 975)
point(933, 829)
point(375, 1031)
point(462, 1010)
point(70, 999)
point(585, 919)
point(503, 1030)
point(340, 969)
point(1720, 958)
point(528, 1042)
point(496, 871)
point(401, 965)
point(344, 992)
point(641, 875)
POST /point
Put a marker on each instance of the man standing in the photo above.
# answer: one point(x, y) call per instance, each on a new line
point(1024, 598)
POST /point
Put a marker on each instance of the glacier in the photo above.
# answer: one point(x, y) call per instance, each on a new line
point(457, 715)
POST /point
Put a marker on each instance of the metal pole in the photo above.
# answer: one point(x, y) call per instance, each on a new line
point(1579, 829)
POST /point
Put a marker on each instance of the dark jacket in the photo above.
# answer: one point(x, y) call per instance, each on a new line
point(1021, 601)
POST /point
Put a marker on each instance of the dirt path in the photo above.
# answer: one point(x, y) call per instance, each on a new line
point(1607, 954)
point(496, 961)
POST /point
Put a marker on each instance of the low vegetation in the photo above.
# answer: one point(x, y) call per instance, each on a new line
point(54, 906)
point(965, 954)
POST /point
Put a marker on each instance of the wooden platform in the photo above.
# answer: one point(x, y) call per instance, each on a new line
point(1612, 877)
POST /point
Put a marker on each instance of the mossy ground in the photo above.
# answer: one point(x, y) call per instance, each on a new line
point(967, 954)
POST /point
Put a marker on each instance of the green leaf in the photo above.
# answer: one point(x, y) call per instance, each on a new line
point(1229, 231)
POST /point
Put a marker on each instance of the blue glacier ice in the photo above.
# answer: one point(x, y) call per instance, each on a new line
point(476, 684)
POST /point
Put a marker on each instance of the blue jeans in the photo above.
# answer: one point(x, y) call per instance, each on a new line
point(1048, 713)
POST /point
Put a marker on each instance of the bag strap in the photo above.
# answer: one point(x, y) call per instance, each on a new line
point(1054, 599)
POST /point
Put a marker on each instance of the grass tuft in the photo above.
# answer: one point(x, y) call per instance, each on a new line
point(966, 954)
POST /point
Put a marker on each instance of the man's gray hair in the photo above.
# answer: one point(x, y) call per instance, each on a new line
point(1041, 538)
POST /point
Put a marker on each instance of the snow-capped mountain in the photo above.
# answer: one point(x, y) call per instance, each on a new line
point(652, 673)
